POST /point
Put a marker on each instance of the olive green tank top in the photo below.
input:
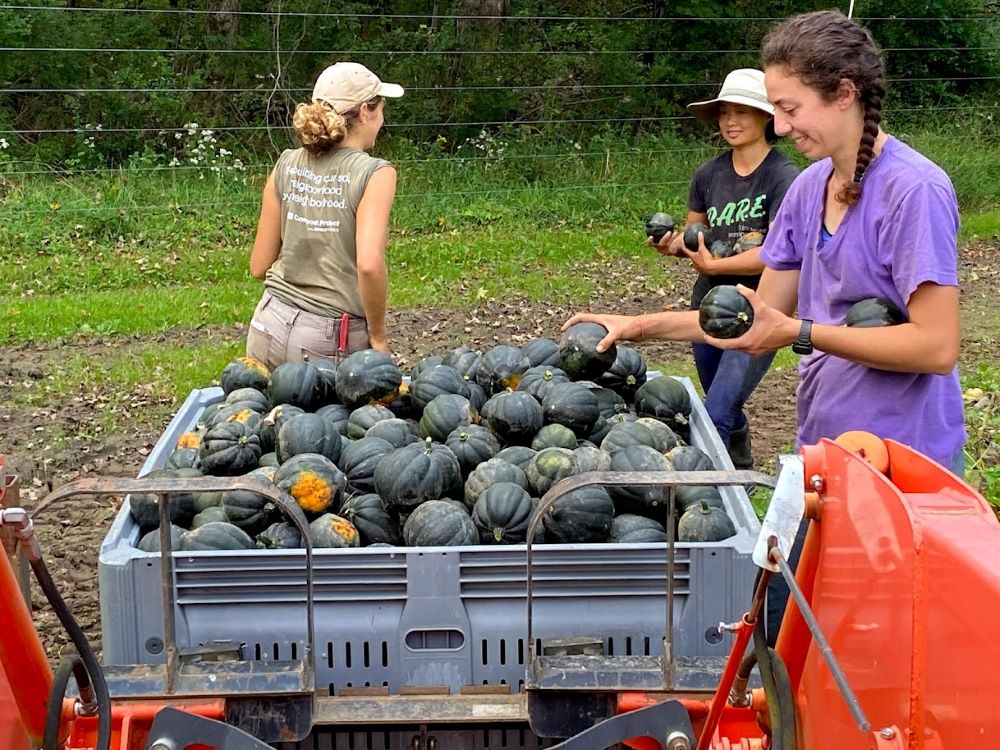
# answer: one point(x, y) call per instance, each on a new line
point(317, 268)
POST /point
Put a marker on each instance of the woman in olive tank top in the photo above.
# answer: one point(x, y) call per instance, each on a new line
point(321, 236)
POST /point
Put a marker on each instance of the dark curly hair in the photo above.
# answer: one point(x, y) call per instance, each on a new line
point(822, 49)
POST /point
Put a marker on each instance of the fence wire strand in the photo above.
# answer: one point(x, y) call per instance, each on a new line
point(446, 53)
point(444, 89)
point(456, 17)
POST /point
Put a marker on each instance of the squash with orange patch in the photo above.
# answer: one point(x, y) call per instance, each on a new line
point(313, 481)
point(244, 372)
point(190, 439)
point(330, 530)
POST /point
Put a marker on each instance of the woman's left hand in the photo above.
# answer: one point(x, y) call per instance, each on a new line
point(703, 261)
point(771, 329)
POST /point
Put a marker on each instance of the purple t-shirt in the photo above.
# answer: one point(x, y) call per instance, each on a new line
point(901, 234)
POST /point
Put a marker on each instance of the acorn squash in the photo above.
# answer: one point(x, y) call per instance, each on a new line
point(244, 372)
point(331, 531)
point(554, 436)
point(308, 433)
point(358, 462)
point(704, 523)
point(445, 414)
point(230, 448)
point(501, 368)
point(548, 466)
point(502, 514)
point(314, 481)
point(578, 353)
point(514, 416)
point(725, 313)
point(581, 516)
point(217, 535)
point(416, 473)
point(632, 529)
point(874, 313)
point(366, 377)
point(626, 373)
point(371, 519)
point(666, 399)
point(572, 405)
point(488, 473)
point(472, 444)
point(541, 351)
point(439, 523)
point(280, 535)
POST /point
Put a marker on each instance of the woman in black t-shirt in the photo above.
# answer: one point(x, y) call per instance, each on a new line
point(736, 195)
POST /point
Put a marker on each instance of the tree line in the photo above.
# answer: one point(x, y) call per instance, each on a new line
point(573, 67)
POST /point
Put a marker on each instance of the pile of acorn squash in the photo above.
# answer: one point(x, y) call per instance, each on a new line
point(458, 455)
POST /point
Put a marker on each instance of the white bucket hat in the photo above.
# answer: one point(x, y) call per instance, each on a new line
point(742, 86)
point(345, 85)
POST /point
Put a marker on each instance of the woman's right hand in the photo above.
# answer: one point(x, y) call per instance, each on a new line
point(620, 327)
point(669, 244)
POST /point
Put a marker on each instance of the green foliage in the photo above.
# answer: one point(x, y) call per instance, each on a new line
point(982, 419)
point(224, 70)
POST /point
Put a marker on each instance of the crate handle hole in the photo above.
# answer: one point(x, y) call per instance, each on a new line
point(443, 639)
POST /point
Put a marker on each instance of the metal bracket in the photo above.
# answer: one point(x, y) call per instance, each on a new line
point(665, 479)
point(784, 513)
point(173, 729)
point(668, 723)
point(164, 487)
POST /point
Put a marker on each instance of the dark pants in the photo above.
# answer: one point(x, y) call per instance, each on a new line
point(728, 378)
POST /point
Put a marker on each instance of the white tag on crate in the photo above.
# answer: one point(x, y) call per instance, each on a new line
point(785, 512)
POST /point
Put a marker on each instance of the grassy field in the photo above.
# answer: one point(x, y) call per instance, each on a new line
point(149, 249)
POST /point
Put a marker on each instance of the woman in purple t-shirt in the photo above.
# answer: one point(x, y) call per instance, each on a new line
point(870, 218)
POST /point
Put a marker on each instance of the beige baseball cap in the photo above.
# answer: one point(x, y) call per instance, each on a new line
point(742, 86)
point(345, 85)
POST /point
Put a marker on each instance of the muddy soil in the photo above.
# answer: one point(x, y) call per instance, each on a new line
point(50, 439)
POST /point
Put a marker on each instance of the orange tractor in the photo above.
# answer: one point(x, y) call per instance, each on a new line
point(890, 639)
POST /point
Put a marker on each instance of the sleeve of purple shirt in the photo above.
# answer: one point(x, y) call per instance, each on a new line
point(782, 249)
point(919, 239)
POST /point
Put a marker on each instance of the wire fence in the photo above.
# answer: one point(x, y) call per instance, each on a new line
point(590, 103)
point(452, 17)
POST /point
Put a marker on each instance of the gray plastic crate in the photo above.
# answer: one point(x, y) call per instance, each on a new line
point(441, 616)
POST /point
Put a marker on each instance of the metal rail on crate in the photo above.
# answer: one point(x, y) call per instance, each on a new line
point(245, 681)
point(666, 479)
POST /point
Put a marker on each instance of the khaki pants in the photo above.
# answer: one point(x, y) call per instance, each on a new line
point(280, 332)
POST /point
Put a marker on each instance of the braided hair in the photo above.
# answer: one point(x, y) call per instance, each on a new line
point(822, 49)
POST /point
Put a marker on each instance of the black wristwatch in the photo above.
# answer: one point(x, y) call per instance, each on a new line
point(803, 343)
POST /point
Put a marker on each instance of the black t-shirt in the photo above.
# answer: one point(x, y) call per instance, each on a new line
point(736, 205)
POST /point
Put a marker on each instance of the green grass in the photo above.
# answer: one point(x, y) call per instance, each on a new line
point(447, 270)
point(982, 226)
point(133, 252)
point(982, 420)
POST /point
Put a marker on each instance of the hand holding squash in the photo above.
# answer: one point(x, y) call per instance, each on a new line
point(771, 329)
point(620, 327)
point(702, 259)
point(669, 244)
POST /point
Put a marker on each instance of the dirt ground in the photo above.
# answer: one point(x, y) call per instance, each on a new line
point(33, 438)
